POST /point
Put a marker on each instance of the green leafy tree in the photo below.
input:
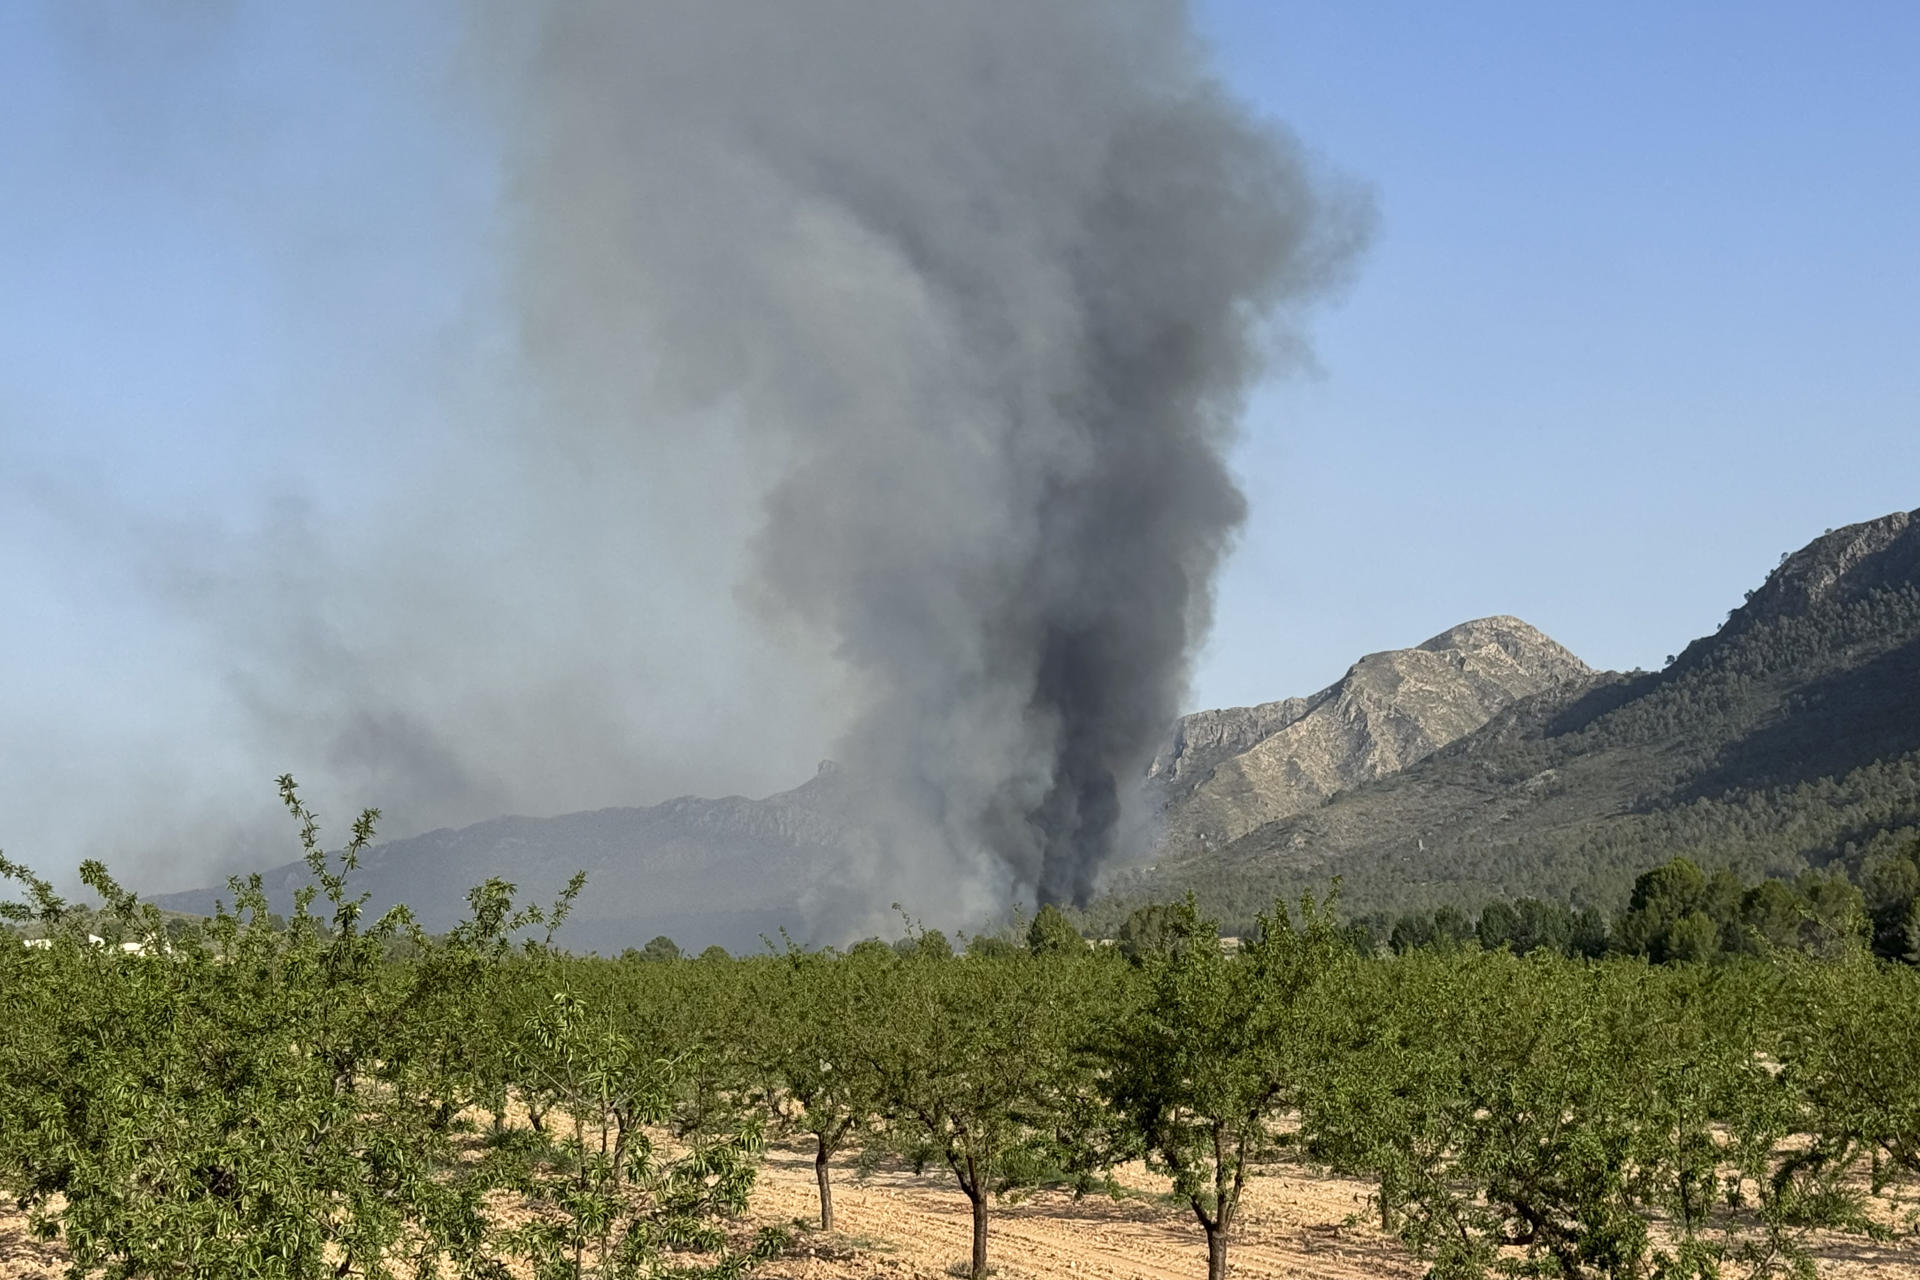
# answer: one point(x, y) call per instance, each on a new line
point(1451, 926)
point(239, 1108)
point(1146, 931)
point(1770, 918)
point(932, 945)
point(1674, 908)
point(1835, 922)
point(1213, 1049)
point(818, 1015)
point(1538, 1117)
point(1851, 1050)
point(606, 1202)
point(1411, 932)
point(1051, 933)
point(1498, 927)
point(1527, 925)
point(1589, 935)
point(977, 1069)
point(1691, 939)
point(661, 948)
point(250, 1099)
point(1892, 899)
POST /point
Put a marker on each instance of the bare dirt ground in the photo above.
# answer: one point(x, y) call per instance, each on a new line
point(896, 1225)
point(1294, 1223)
point(21, 1256)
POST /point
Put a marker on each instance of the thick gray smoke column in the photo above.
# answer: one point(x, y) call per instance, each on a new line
point(985, 285)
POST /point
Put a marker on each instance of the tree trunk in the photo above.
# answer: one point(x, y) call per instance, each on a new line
point(980, 1234)
point(1216, 1253)
point(826, 1187)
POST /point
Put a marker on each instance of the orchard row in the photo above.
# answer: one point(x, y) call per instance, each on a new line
point(331, 1095)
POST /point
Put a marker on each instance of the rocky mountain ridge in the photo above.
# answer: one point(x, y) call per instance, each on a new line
point(733, 869)
point(726, 870)
point(1224, 773)
point(1788, 739)
point(1839, 567)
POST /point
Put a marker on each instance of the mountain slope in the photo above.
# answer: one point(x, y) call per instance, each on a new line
point(1486, 762)
point(1789, 738)
point(1225, 773)
point(731, 870)
point(702, 871)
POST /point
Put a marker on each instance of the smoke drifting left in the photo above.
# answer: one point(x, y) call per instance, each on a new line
point(990, 283)
point(816, 378)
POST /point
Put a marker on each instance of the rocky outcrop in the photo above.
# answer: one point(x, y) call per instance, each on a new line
point(1224, 773)
point(1206, 739)
point(1839, 566)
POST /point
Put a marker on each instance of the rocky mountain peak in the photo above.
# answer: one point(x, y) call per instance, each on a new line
point(1840, 565)
point(1223, 773)
point(1525, 644)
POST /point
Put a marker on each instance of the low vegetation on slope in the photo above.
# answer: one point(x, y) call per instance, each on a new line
point(1788, 741)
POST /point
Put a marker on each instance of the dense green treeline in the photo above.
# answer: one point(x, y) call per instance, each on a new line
point(1850, 824)
point(341, 1096)
point(1680, 912)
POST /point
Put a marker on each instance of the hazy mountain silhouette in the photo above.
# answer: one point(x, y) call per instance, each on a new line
point(1488, 761)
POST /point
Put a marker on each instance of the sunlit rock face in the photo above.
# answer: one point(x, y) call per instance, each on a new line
point(1224, 773)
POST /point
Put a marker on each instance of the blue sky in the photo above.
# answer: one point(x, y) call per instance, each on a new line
point(1642, 313)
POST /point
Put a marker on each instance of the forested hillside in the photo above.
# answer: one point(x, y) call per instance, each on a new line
point(1788, 740)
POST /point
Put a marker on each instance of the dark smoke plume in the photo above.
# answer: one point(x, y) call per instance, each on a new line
point(982, 287)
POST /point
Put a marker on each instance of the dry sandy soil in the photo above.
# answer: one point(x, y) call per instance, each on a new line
point(894, 1225)
point(1294, 1224)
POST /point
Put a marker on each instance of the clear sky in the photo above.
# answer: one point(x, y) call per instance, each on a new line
point(1643, 312)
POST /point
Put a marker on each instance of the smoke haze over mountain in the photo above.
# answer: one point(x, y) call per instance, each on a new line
point(847, 373)
point(989, 284)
